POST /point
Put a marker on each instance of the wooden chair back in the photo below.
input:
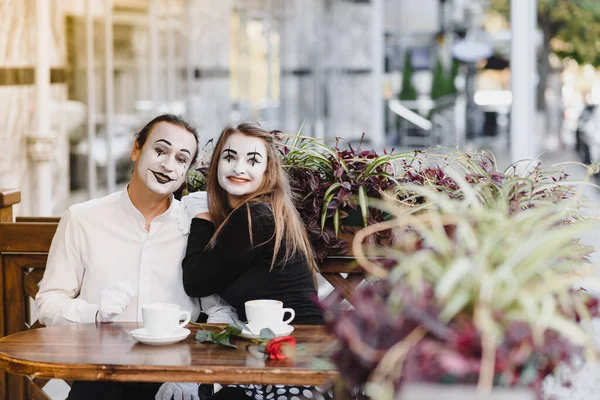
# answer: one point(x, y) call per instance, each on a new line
point(24, 250)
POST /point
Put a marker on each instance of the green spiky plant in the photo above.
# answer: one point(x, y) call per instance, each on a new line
point(480, 286)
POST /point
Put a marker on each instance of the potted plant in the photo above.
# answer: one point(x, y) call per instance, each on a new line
point(481, 285)
point(332, 187)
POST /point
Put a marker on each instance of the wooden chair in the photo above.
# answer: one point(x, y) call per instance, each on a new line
point(23, 253)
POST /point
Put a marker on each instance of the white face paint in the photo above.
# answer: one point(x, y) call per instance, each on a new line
point(165, 158)
point(242, 165)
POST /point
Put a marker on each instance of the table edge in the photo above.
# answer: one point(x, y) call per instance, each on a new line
point(129, 373)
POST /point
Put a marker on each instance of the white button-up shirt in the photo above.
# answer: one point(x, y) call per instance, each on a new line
point(104, 241)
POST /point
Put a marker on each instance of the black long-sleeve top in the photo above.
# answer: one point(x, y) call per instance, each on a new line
point(239, 270)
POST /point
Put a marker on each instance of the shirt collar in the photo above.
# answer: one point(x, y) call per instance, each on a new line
point(169, 210)
point(130, 208)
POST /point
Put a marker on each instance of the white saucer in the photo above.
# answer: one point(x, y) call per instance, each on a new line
point(281, 330)
point(141, 335)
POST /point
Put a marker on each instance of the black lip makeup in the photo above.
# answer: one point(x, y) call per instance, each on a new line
point(161, 178)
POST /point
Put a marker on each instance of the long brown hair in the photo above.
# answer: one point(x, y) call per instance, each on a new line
point(274, 191)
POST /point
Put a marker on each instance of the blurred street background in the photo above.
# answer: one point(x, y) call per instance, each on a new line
point(79, 77)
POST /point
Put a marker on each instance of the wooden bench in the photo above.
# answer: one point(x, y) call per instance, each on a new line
point(24, 246)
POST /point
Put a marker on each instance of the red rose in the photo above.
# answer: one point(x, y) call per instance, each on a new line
point(281, 348)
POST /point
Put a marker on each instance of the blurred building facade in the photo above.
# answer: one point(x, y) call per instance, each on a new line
point(331, 65)
point(18, 102)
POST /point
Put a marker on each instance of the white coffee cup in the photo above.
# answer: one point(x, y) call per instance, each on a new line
point(266, 314)
point(162, 319)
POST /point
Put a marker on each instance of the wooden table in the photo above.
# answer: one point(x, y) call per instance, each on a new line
point(108, 353)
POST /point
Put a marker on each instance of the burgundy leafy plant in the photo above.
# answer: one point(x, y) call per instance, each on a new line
point(333, 186)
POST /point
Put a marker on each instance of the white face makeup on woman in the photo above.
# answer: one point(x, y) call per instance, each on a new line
point(165, 158)
point(242, 165)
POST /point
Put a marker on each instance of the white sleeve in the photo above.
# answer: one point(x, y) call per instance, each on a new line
point(218, 310)
point(56, 299)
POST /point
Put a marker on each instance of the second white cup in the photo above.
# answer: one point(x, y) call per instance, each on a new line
point(267, 314)
point(162, 319)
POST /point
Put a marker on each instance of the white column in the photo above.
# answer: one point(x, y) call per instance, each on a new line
point(91, 96)
point(40, 143)
point(377, 135)
point(189, 59)
point(111, 179)
point(523, 67)
point(268, 22)
point(318, 128)
point(171, 55)
point(154, 50)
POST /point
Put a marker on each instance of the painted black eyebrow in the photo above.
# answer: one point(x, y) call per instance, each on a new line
point(163, 140)
point(254, 153)
point(169, 143)
point(230, 151)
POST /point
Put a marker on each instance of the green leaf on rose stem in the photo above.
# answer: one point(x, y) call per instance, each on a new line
point(239, 325)
point(218, 336)
point(266, 334)
point(233, 330)
point(205, 336)
point(223, 339)
point(261, 347)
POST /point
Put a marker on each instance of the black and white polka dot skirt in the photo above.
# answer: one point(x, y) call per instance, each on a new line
point(283, 392)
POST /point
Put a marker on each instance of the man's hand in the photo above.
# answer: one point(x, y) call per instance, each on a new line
point(191, 205)
point(113, 300)
point(178, 391)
